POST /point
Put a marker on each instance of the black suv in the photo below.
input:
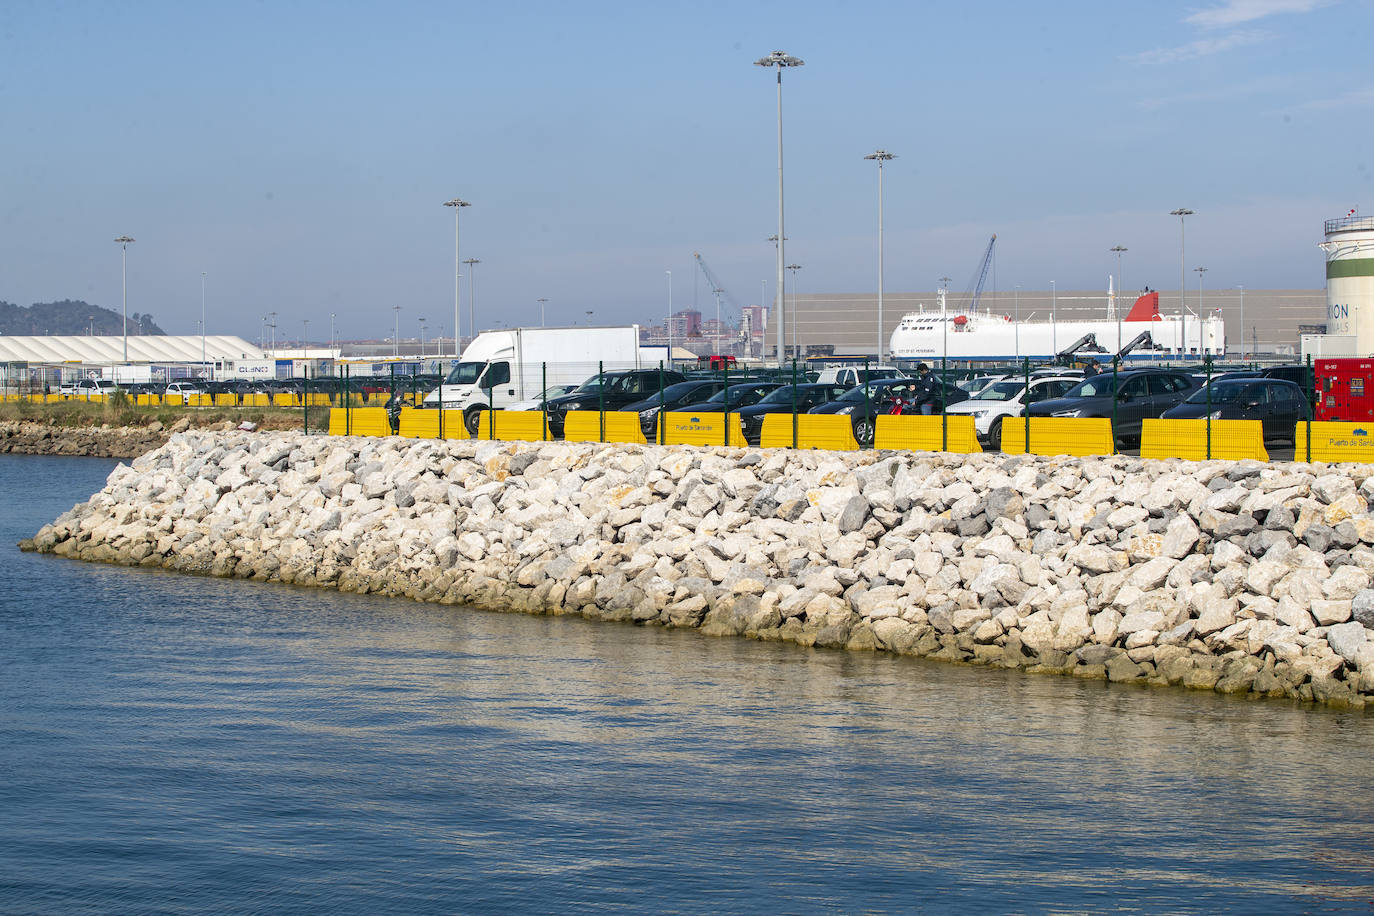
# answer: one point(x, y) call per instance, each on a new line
point(1137, 395)
point(610, 391)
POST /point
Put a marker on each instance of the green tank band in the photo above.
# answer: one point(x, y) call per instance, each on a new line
point(1351, 267)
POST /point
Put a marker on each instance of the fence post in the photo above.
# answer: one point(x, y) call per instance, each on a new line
point(1311, 378)
point(944, 417)
point(661, 403)
point(1025, 410)
point(544, 399)
point(794, 401)
point(348, 403)
point(305, 400)
point(1207, 367)
point(725, 367)
point(600, 399)
point(491, 407)
point(1116, 393)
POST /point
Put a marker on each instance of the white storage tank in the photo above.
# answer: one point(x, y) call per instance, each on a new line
point(1349, 248)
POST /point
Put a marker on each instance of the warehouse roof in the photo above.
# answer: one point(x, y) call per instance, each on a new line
point(143, 348)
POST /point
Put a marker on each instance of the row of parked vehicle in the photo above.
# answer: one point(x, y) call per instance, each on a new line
point(1129, 397)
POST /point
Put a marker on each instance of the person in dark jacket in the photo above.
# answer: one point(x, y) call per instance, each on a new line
point(923, 392)
point(1094, 368)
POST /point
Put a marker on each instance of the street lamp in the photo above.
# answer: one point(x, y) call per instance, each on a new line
point(1242, 323)
point(780, 60)
point(1181, 212)
point(124, 241)
point(668, 328)
point(396, 335)
point(795, 352)
point(273, 325)
point(472, 307)
point(331, 333)
point(305, 336)
point(1016, 320)
point(541, 300)
point(202, 322)
point(944, 324)
point(1120, 250)
point(1201, 344)
point(1054, 318)
point(422, 338)
point(457, 204)
point(880, 156)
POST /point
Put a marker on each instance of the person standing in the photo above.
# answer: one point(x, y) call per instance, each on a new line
point(923, 393)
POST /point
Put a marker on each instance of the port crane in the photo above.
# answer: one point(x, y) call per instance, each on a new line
point(717, 289)
point(974, 292)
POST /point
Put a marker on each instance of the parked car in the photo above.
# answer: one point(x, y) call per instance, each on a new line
point(548, 394)
point(610, 391)
point(184, 387)
point(849, 376)
point(1302, 376)
point(1278, 405)
point(1008, 398)
point(733, 398)
point(88, 387)
point(865, 403)
point(1135, 396)
point(784, 400)
point(674, 397)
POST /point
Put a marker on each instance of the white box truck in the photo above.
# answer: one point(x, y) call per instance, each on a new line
point(500, 368)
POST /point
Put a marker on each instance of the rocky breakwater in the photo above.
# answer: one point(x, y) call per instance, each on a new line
point(26, 437)
point(1240, 578)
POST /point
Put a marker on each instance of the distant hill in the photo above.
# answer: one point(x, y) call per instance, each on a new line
point(70, 317)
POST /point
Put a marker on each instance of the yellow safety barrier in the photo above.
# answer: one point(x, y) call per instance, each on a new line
point(585, 426)
point(928, 433)
point(700, 429)
point(1058, 436)
point(225, 399)
point(257, 400)
point(1231, 439)
point(511, 425)
point(365, 421)
point(1332, 441)
point(173, 400)
point(283, 399)
point(833, 432)
point(424, 424)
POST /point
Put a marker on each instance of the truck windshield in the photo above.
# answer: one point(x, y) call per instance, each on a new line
point(465, 374)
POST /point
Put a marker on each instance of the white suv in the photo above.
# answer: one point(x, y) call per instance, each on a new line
point(86, 387)
point(184, 388)
point(1006, 398)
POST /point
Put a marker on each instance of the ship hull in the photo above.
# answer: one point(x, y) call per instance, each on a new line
point(991, 337)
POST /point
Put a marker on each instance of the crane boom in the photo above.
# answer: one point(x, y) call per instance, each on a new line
point(716, 285)
point(975, 286)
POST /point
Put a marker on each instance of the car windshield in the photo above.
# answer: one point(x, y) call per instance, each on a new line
point(1100, 386)
point(782, 395)
point(465, 374)
point(1226, 393)
point(1000, 391)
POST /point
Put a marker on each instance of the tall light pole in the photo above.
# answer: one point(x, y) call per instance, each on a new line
point(457, 204)
point(794, 268)
point(273, 325)
point(124, 241)
point(1242, 324)
point(944, 324)
point(305, 335)
point(1119, 250)
point(1016, 320)
point(1181, 212)
point(780, 61)
point(1054, 318)
point(668, 327)
point(541, 300)
point(331, 333)
point(202, 322)
point(1201, 345)
point(422, 338)
point(472, 303)
point(396, 335)
point(880, 156)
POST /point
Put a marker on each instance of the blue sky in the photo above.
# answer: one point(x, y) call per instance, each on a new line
point(298, 153)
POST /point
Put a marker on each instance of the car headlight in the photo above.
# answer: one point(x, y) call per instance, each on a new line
point(1214, 415)
point(980, 412)
point(1065, 413)
point(845, 410)
point(649, 413)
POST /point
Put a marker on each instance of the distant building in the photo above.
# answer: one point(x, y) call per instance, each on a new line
point(684, 324)
point(753, 321)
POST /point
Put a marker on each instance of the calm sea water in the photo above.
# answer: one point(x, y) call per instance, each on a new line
point(175, 744)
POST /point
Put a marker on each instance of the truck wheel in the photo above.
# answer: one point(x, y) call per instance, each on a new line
point(995, 435)
point(473, 420)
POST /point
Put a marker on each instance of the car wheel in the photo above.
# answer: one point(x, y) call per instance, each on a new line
point(864, 432)
point(473, 420)
point(995, 435)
